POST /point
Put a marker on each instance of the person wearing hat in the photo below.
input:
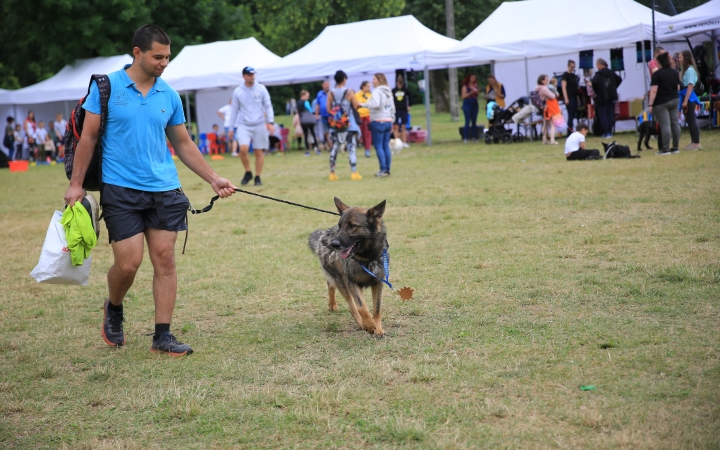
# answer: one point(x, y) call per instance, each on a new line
point(252, 113)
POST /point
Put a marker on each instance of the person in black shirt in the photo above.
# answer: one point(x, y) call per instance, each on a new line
point(605, 84)
point(402, 104)
point(664, 103)
point(570, 83)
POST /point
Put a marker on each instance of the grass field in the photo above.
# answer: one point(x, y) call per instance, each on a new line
point(533, 276)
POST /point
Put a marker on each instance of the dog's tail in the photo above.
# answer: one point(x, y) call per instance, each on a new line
point(314, 240)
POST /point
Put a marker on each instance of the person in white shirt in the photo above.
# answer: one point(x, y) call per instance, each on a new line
point(224, 114)
point(59, 126)
point(41, 138)
point(251, 111)
point(575, 145)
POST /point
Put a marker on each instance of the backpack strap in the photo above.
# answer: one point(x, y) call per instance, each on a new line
point(103, 84)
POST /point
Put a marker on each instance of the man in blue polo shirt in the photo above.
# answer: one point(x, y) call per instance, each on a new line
point(141, 197)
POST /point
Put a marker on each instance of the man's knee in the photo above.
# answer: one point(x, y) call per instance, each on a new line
point(164, 261)
point(129, 267)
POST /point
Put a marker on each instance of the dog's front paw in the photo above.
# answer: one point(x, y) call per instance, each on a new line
point(379, 332)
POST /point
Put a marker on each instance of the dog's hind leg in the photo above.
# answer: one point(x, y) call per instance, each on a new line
point(332, 304)
point(377, 301)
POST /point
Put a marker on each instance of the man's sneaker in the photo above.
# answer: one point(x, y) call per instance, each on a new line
point(690, 147)
point(674, 151)
point(257, 181)
point(382, 174)
point(333, 177)
point(317, 151)
point(663, 153)
point(167, 343)
point(112, 329)
point(355, 176)
point(367, 153)
point(307, 153)
point(246, 179)
point(91, 205)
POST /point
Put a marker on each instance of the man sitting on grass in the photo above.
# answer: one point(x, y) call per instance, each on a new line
point(575, 145)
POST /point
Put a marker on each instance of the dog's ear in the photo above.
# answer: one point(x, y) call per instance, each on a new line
point(376, 212)
point(340, 205)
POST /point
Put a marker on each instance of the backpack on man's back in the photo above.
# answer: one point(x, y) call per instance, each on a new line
point(73, 133)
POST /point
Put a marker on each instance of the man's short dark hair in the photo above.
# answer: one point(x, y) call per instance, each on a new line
point(147, 34)
point(10, 119)
point(664, 60)
point(340, 76)
point(602, 62)
point(570, 61)
point(581, 126)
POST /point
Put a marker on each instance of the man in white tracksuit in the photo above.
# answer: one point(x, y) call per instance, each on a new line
point(252, 114)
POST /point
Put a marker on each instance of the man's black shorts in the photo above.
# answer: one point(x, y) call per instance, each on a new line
point(401, 117)
point(128, 212)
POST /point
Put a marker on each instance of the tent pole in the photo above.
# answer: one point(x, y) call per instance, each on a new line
point(714, 71)
point(646, 99)
point(527, 80)
point(187, 109)
point(426, 75)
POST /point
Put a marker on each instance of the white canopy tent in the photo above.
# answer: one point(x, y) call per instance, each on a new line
point(696, 25)
point(703, 19)
point(360, 49)
point(214, 65)
point(59, 93)
point(213, 71)
point(546, 33)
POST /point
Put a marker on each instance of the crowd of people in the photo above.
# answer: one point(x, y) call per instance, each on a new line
point(672, 95)
point(32, 140)
point(338, 118)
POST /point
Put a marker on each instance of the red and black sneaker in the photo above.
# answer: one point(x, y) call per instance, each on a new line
point(112, 329)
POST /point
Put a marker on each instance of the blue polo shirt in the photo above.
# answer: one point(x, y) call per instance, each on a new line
point(135, 152)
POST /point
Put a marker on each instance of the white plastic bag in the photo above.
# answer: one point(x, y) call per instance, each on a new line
point(55, 265)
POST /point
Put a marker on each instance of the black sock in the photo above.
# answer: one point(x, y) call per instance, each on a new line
point(114, 308)
point(160, 328)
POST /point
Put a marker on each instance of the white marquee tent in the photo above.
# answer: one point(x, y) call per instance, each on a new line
point(702, 19)
point(212, 71)
point(527, 38)
point(359, 48)
point(60, 92)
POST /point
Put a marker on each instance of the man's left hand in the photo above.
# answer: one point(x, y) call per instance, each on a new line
point(223, 187)
point(271, 128)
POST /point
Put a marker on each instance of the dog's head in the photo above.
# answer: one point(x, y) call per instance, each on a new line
point(361, 231)
point(609, 146)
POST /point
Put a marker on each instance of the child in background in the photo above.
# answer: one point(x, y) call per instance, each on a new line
point(218, 139)
point(298, 130)
point(552, 108)
point(41, 137)
point(575, 146)
point(19, 142)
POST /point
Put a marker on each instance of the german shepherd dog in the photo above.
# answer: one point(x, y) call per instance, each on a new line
point(358, 238)
point(647, 129)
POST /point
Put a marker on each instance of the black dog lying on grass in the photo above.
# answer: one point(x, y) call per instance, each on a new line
point(647, 129)
point(612, 150)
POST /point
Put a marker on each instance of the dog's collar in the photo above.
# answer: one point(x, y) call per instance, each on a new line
point(386, 266)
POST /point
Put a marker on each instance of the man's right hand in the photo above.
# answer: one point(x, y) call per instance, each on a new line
point(74, 194)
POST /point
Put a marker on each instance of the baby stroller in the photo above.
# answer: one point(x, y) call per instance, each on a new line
point(519, 110)
point(497, 118)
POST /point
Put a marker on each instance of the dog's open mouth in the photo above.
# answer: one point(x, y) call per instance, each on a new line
point(348, 252)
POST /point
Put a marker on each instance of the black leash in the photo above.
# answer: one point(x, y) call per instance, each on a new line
point(212, 201)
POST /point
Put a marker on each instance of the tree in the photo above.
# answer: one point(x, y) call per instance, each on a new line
point(468, 15)
point(38, 41)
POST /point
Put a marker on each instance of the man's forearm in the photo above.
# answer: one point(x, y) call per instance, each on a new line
point(190, 155)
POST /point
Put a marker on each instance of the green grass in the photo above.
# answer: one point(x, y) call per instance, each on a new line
point(532, 276)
